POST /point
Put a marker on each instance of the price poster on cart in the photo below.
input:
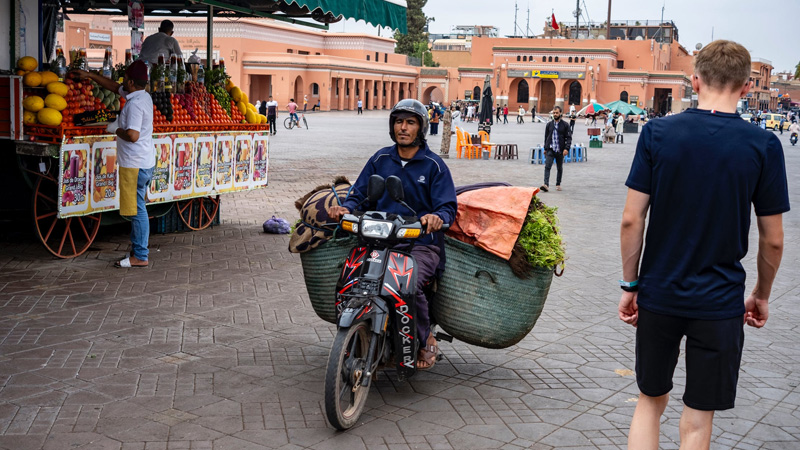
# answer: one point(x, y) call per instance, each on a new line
point(186, 165)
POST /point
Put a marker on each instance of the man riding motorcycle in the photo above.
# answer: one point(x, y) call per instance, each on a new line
point(429, 190)
point(794, 129)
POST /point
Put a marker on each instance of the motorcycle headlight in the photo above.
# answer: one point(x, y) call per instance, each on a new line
point(376, 229)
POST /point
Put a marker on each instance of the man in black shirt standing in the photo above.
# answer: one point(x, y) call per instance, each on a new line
point(557, 140)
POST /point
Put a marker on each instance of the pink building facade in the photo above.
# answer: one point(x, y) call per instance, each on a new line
point(543, 73)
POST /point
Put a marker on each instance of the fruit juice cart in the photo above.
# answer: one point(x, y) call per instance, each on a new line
point(209, 140)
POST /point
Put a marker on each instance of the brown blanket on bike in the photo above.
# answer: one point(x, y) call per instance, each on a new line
point(492, 218)
point(313, 208)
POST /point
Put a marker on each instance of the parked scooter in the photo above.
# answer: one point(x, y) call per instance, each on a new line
point(793, 139)
point(375, 301)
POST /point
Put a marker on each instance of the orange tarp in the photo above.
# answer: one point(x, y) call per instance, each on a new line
point(492, 218)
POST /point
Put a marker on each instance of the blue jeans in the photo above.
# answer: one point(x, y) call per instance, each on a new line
point(140, 223)
point(295, 118)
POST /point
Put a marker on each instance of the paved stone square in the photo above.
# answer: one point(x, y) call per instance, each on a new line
point(215, 346)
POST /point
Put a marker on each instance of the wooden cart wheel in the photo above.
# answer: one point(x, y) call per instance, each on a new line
point(199, 213)
point(65, 238)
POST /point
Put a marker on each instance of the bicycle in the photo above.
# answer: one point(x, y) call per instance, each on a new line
point(290, 123)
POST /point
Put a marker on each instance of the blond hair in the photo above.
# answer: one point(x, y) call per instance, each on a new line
point(723, 65)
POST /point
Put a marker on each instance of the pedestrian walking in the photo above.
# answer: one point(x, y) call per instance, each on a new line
point(695, 287)
point(272, 115)
point(557, 140)
point(135, 154)
point(521, 115)
point(305, 103)
point(505, 114)
point(470, 113)
point(533, 114)
point(498, 111)
point(572, 118)
point(620, 126)
point(262, 107)
point(435, 117)
point(783, 121)
point(447, 120)
point(360, 105)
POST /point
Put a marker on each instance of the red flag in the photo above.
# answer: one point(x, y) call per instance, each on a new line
point(554, 24)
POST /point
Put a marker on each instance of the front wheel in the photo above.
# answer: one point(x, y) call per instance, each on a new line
point(305, 123)
point(344, 395)
point(288, 123)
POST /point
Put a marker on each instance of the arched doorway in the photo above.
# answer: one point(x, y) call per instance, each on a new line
point(523, 92)
point(298, 89)
point(575, 90)
point(547, 96)
point(623, 96)
point(476, 93)
point(432, 94)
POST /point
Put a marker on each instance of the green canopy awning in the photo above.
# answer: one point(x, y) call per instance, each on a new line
point(624, 108)
point(382, 13)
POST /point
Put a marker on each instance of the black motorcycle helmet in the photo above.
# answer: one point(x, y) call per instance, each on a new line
point(415, 107)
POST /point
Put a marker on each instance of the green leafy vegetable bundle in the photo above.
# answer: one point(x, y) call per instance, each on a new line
point(540, 244)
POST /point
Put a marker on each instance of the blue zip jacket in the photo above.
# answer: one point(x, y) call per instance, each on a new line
point(427, 184)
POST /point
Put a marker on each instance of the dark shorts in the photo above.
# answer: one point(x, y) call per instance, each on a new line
point(713, 356)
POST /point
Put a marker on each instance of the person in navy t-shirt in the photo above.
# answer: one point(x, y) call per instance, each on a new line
point(698, 174)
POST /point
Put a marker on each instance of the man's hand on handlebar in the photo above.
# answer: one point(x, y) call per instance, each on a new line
point(431, 222)
point(336, 212)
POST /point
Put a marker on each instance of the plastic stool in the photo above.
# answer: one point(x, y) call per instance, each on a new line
point(500, 151)
point(512, 151)
point(537, 155)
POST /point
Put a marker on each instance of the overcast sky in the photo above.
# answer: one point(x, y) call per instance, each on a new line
point(766, 28)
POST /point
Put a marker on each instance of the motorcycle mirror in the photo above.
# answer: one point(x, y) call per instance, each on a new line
point(375, 188)
point(395, 188)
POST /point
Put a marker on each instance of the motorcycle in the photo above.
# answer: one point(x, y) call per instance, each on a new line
point(375, 304)
point(793, 139)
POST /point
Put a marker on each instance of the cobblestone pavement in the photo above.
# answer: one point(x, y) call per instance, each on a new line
point(216, 346)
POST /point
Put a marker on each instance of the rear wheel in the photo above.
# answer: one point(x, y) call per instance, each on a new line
point(198, 213)
point(288, 123)
point(344, 395)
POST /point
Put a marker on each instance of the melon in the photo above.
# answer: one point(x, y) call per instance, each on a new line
point(32, 79)
point(29, 118)
point(48, 77)
point(242, 107)
point(263, 118)
point(56, 102)
point(49, 116)
point(58, 88)
point(33, 103)
point(27, 63)
point(251, 117)
point(236, 94)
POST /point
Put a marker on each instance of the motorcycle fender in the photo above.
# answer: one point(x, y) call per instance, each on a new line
point(399, 288)
point(350, 316)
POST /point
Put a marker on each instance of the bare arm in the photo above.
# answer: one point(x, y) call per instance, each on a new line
point(111, 85)
point(128, 135)
point(631, 237)
point(770, 252)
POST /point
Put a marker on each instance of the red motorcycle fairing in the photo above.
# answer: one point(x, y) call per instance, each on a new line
point(399, 289)
point(351, 271)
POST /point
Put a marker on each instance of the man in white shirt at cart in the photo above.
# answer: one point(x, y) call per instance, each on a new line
point(135, 154)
